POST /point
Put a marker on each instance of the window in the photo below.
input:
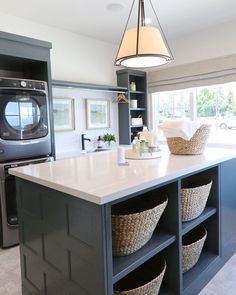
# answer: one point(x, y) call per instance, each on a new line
point(215, 105)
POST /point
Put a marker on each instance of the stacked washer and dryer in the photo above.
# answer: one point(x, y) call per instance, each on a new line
point(25, 139)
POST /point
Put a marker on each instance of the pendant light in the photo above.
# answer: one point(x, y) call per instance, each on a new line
point(144, 45)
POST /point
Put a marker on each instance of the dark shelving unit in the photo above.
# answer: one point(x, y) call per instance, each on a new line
point(125, 264)
point(127, 131)
point(165, 241)
point(210, 218)
point(167, 238)
point(189, 225)
point(205, 261)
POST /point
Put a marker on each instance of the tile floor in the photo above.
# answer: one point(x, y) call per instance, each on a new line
point(10, 282)
point(224, 282)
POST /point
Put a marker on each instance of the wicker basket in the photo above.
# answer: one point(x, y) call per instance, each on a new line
point(145, 280)
point(194, 146)
point(134, 221)
point(194, 200)
point(193, 243)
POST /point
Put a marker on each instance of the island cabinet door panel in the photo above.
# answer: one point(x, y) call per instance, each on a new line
point(228, 206)
point(62, 243)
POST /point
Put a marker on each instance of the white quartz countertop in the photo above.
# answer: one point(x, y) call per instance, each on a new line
point(98, 178)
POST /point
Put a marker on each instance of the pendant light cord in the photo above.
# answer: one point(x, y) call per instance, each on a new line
point(125, 27)
point(142, 14)
point(138, 25)
point(161, 30)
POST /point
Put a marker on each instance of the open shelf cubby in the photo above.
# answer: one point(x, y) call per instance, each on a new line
point(164, 236)
point(212, 205)
point(189, 225)
point(209, 255)
point(153, 269)
point(167, 237)
point(206, 259)
point(125, 264)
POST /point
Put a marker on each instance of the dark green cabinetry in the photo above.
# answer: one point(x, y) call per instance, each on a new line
point(126, 130)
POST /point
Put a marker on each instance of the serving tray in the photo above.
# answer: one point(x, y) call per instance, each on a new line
point(129, 154)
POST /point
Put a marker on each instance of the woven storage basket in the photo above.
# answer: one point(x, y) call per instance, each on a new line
point(194, 146)
point(145, 280)
point(193, 243)
point(194, 200)
point(134, 221)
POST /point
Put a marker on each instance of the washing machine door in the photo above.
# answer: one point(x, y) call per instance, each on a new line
point(23, 114)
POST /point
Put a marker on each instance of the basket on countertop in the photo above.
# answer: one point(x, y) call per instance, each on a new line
point(145, 280)
point(192, 245)
point(134, 221)
point(194, 199)
point(194, 146)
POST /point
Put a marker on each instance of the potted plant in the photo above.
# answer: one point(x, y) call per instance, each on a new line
point(108, 139)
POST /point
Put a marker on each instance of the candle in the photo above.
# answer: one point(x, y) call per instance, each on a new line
point(121, 155)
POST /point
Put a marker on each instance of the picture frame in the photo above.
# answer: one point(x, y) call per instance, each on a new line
point(63, 114)
point(97, 113)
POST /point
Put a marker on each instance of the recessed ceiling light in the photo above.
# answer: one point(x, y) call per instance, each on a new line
point(115, 7)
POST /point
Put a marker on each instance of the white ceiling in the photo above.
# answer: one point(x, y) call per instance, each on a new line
point(91, 18)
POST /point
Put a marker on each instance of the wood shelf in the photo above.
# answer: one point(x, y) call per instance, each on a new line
point(125, 264)
point(124, 78)
point(189, 225)
point(206, 260)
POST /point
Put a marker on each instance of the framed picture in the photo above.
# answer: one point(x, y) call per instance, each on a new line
point(63, 113)
point(98, 113)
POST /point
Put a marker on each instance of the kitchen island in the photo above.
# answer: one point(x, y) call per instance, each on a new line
point(65, 210)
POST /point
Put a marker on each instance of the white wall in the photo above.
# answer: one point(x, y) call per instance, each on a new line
point(74, 57)
point(69, 142)
point(205, 44)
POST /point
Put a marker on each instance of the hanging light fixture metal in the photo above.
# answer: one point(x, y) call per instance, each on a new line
point(145, 45)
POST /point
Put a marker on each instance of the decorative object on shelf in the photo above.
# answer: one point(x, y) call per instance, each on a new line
point(137, 121)
point(100, 142)
point(132, 86)
point(132, 229)
point(121, 157)
point(192, 245)
point(194, 199)
point(121, 98)
point(63, 114)
point(130, 154)
point(134, 103)
point(98, 113)
point(145, 45)
point(145, 280)
point(144, 148)
point(194, 146)
point(109, 139)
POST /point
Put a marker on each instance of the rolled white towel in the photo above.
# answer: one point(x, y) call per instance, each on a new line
point(180, 128)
